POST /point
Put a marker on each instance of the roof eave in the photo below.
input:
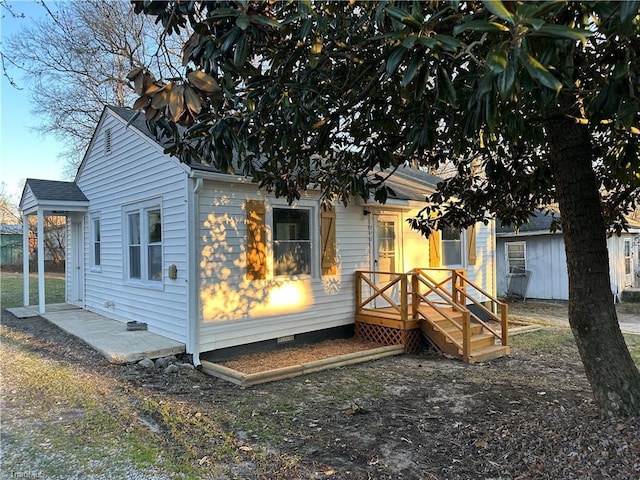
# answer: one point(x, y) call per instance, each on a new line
point(59, 207)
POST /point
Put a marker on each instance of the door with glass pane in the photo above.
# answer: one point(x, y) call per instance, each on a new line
point(386, 253)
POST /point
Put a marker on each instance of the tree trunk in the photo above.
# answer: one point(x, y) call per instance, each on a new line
point(613, 375)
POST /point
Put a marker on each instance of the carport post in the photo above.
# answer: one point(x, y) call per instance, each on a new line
point(25, 260)
point(41, 297)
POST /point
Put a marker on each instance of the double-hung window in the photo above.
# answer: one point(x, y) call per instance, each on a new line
point(451, 247)
point(96, 239)
point(291, 241)
point(516, 257)
point(143, 253)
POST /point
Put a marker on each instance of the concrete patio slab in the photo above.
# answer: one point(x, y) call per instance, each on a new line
point(109, 337)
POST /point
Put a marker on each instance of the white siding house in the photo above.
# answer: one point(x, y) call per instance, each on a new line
point(210, 260)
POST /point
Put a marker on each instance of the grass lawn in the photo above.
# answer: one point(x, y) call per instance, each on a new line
point(553, 340)
point(11, 289)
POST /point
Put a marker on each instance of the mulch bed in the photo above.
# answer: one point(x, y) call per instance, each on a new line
point(297, 355)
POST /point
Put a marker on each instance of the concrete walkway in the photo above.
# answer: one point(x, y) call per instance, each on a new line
point(109, 337)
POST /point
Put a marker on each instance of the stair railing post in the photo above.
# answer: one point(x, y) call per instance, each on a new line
point(404, 307)
point(504, 315)
point(454, 287)
point(415, 300)
point(358, 291)
point(466, 336)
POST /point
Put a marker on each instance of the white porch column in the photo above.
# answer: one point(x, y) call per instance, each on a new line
point(25, 260)
point(41, 297)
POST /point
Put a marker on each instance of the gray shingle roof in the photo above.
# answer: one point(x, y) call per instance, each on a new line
point(136, 118)
point(538, 222)
point(56, 190)
point(412, 184)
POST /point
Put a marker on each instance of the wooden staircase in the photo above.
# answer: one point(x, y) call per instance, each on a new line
point(445, 333)
point(436, 303)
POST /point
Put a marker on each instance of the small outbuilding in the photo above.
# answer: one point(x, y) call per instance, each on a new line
point(531, 261)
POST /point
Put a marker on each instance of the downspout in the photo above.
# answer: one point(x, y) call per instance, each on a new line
point(194, 186)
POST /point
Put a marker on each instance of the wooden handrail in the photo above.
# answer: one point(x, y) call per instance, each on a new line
point(379, 291)
point(503, 319)
point(455, 299)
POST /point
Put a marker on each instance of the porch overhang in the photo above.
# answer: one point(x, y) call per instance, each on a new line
point(45, 198)
point(61, 208)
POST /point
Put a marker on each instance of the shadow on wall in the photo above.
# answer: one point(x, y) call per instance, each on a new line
point(226, 292)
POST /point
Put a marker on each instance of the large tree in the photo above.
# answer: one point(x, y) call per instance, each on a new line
point(74, 61)
point(533, 102)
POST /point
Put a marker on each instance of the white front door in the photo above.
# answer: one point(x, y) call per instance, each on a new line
point(77, 264)
point(386, 253)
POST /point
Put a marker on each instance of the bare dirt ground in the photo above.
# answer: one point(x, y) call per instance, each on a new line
point(419, 416)
point(556, 313)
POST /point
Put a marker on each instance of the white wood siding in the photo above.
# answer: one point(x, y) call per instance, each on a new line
point(234, 311)
point(28, 200)
point(482, 273)
point(136, 170)
point(416, 255)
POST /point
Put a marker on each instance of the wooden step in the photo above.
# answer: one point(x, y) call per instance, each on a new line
point(477, 341)
point(488, 353)
point(457, 333)
point(483, 347)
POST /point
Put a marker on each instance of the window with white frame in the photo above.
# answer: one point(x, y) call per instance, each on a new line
point(516, 257)
point(96, 240)
point(452, 253)
point(144, 243)
point(627, 256)
point(292, 241)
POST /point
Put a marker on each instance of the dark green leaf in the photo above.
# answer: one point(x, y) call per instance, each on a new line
point(536, 23)
point(412, 68)
point(449, 92)
point(409, 41)
point(506, 80)
point(562, 31)
point(448, 42)
point(629, 9)
point(480, 26)
point(499, 10)
point(394, 59)
point(243, 21)
point(230, 38)
point(241, 51)
point(404, 17)
point(497, 57)
point(428, 42)
point(539, 72)
point(262, 20)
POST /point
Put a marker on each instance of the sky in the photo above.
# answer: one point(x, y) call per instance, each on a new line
point(24, 153)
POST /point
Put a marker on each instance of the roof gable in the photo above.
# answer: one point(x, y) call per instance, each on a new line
point(131, 120)
point(55, 190)
point(52, 195)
